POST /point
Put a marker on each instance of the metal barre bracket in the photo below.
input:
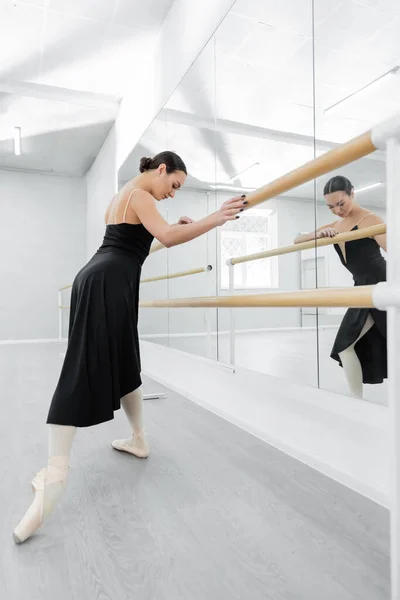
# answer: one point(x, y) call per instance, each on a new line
point(155, 396)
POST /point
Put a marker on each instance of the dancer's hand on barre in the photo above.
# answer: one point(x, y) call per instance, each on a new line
point(327, 232)
point(144, 205)
point(322, 232)
point(229, 210)
point(185, 221)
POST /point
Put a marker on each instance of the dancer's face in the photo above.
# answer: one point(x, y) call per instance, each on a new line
point(340, 203)
point(165, 185)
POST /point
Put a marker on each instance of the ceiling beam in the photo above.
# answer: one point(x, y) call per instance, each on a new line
point(225, 126)
point(58, 94)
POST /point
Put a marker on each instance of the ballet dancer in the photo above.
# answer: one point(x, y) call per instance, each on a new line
point(101, 369)
point(360, 344)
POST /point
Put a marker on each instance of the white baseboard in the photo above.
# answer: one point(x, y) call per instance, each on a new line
point(151, 336)
point(38, 341)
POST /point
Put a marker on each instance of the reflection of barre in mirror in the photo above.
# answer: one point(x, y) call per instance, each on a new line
point(178, 274)
point(326, 241)
point(375, 230)
point(360, 345)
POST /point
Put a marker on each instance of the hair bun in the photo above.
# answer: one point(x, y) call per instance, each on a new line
point(145, 164)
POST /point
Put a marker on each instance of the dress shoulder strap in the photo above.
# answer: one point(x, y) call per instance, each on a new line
point(127, 203)
point(364, 217)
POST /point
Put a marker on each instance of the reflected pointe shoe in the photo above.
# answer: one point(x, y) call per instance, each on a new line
point(48, 485)
point(136, 445)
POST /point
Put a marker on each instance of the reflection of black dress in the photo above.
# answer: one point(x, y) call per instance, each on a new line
point(367, 265)
point(102, 363)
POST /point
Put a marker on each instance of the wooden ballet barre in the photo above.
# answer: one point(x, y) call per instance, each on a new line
point(352, 150)
point(334, 159)
point(358, 297)
point(178, 274)
point(341, 237)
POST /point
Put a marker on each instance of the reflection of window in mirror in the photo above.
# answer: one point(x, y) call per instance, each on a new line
point(255, 231)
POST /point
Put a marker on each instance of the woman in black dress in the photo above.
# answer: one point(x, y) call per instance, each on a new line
point(360, 344)
point(101, 369)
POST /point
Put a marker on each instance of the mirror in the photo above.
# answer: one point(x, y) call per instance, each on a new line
point(357, 85)
point(265, 114)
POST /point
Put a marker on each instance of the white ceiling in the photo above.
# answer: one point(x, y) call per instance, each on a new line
point(80, 45)
point(265, 66)
point(256, 76)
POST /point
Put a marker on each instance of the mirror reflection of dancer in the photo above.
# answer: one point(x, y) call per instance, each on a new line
point(360, 344)
point(101, 370)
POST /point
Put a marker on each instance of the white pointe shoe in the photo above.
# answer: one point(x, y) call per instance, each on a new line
point(136, 445)
point(48, 485)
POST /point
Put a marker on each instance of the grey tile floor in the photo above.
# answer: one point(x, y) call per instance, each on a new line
point(213, 514)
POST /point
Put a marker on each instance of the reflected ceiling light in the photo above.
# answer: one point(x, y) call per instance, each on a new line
point(231, 188)
point(368, 187)
point(17, 141)
point(244, 170)
point(390, 73)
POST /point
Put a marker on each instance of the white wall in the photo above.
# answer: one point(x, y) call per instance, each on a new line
point(101, 185)
point(42, 246)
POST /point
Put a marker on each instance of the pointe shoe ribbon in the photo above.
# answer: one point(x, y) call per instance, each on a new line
point(47, 476)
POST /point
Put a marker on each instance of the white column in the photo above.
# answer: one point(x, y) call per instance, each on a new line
point(101, 186)
point(393, 277)
point(208, 315)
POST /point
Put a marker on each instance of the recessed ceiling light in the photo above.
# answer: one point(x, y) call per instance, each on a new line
point(391, 73)
point(368, 187)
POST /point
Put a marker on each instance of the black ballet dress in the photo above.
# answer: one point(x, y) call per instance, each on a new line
point(102, 362)
point(368, 267)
